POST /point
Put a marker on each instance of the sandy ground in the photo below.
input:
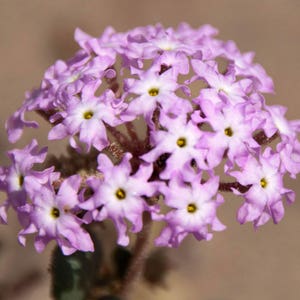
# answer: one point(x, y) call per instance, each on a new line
point(238, 264)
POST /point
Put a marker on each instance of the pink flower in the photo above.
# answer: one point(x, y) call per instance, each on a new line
point(159, 121)
point(86, 117)
point(264, 197)
point(17, 179)
point(231, 132)
point(179, 139)
point(244, 66)
point(221, 87)
point(154, 90)
point(120, 196)
point(53, 217)
point(193, 211)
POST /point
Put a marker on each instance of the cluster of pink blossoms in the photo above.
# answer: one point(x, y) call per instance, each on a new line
point(165, 121)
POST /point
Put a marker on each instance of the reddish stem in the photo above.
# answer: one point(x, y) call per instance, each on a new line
point(228, 186)
point(262, 139)
point(138, 258)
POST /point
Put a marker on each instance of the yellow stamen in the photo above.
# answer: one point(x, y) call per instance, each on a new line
point(88, 115)
point(120, 194)
point(181, 142)
point(21, 180)
point(228, 131)
point(55, 213)
point(191, 208)
point(153, 92)
point(263, 183)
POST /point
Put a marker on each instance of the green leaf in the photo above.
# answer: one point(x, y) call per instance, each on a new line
point(73, 276)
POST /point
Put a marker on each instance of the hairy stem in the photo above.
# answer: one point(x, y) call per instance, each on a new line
point(139, 256)
point(118, 135)
point(131, 131)
point(262, 139)
point(228, 186)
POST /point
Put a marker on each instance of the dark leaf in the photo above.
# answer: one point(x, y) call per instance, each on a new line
point(157, 267)
point(121, 257)
point(73, 276)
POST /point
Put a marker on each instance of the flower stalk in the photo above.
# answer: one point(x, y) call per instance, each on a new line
point(139, 255)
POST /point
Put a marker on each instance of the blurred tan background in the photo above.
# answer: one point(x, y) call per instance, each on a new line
point(238, 264)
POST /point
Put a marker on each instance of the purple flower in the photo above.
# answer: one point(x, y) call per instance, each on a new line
point(290, 157)
point(53, 217)
point(66, 79)
point(177, 62)
point(193, 211)
point(179, 139)
point(86, 117)
point(105, 47)
point(119, 196)
point(161, 120)
point(244, 66)
point(280, 123)
point(221, 87)
point(162, 40)
point(264, 197)
point(154, 90)
point(35, 100)
point(232, 132)
point(19, 177)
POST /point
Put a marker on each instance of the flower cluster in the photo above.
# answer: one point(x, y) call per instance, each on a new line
point(160, 122)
